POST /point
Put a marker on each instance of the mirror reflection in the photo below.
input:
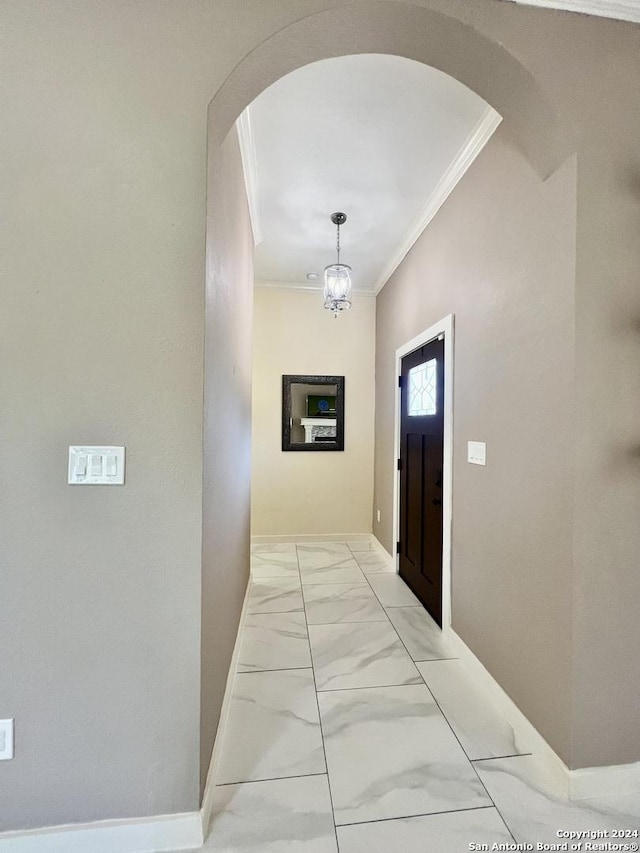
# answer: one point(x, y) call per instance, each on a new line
point(312, 412)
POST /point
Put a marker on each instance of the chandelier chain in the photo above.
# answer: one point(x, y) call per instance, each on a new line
point(337, 277)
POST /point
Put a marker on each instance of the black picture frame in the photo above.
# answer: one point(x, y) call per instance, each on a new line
point(320, 446)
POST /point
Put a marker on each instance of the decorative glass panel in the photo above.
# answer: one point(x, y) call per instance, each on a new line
point(422, 389)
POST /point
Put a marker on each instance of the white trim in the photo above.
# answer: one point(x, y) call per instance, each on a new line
point(554, 775)
point(622, 10)
point(249, 157)
point(138, 835)
point(379, 547)
point(263, 284)
point(442, 327)
point(555, 771)
point(207, 798)
point(312, 537)
point(472, 146)
point(618, 779)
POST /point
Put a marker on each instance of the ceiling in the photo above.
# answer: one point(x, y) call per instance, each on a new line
point(624, 10)
point(382, 138)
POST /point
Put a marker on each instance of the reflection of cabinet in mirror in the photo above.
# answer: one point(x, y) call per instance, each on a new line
point(313, 412)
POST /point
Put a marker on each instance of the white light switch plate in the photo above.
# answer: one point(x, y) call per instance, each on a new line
point(477, 452)
point(96, 466)
point(6, 740)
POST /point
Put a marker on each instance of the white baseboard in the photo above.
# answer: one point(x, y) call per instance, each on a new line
point(614, 780)
point(556, 777)
point(138, 835)
point(377, 544)
point(529, 738)
point(159, 834)
point(311, 537)
point(188, 831)
point(209, 788)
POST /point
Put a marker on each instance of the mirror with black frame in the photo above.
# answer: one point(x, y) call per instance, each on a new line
point(312, 412)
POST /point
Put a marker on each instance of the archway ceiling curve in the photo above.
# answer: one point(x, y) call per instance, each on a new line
point(415, 33)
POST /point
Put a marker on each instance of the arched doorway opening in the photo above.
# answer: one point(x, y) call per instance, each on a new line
point(388, 28)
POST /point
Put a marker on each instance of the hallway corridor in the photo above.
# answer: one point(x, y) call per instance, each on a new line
point(353, 728)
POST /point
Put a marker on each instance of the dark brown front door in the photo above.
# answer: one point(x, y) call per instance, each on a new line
point(421, 465)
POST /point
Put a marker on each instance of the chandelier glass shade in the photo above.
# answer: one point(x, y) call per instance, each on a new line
point(337, 277)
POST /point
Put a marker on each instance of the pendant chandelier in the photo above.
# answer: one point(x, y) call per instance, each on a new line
point(337, 277)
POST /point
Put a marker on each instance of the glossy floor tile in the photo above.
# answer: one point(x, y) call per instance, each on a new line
point(274, 565)
point(340, 570)
point(481, 729)
point(274, 641)
point(372, 562)
point(340, 602)
point(453, 832)
point(364, 654)
point(333, 731)
point(361, 545)
point(273, 729)
point(322, 553)
point(391, 590)
point(274, 548)
point(279, 816)
point(419, 633)
point(534, 815)
point(390, 753)
point(275, 595)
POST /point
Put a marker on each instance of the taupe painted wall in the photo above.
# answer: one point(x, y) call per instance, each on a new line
point(590, 69)
point(103, 196)
point(297, 492)
point(103, 193)
point(227, 429)
point(500, 256)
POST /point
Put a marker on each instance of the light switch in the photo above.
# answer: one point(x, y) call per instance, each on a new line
point(477, 452)
point(81, 465)
point(96, 466)
point(6, 740)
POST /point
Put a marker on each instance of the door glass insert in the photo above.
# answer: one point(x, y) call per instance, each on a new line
point(422, 389)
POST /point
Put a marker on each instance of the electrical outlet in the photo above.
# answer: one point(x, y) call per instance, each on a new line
point(6, 739)
point(378, 516)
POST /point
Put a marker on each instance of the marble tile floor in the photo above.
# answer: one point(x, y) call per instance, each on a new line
point(353, 728)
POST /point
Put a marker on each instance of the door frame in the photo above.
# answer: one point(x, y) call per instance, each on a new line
point(442, 327)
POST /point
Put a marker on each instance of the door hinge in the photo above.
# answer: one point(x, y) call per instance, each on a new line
point(399, 464)
point(397, 547)
point(399, 381)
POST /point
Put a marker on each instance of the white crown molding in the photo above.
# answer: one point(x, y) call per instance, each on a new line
point(249, 157)
point(473, 145)
point(622, 10)
point(262, 284)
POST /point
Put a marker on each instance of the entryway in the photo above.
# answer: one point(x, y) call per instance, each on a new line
point(420, 464)
point(423, 495)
